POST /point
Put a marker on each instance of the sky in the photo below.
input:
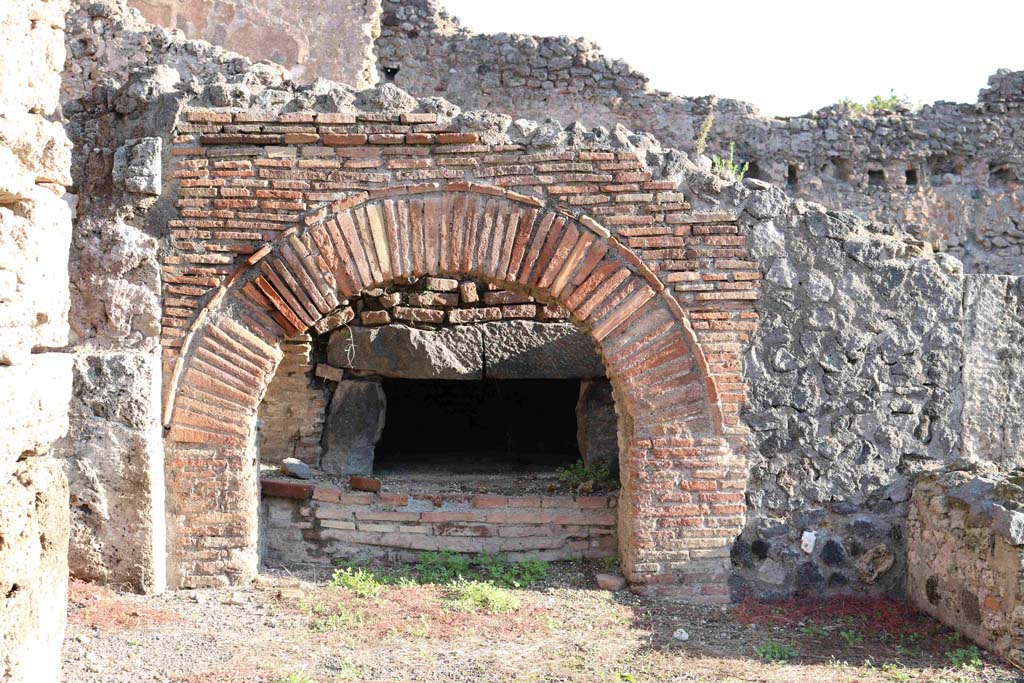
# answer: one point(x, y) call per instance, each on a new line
point(787, 57)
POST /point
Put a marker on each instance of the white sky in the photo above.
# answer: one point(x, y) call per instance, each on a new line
point(785, 56)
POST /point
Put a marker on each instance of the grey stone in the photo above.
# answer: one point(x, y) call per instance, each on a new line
point(1009, 524)
point(138, 166)
point(597, 424)
point(297, 469)
point(408, 352)
point(526, 349)
point(355, 421)
point(772, 572)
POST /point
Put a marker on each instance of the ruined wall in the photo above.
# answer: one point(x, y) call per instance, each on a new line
point(330, 39)
point(35, 379)
point(854, 376)
point(965, 538)
point(948, 173)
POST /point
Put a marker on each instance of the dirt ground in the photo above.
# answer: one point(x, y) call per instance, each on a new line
point(301, 629)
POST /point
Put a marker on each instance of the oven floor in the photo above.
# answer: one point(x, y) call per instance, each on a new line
point(466, 473)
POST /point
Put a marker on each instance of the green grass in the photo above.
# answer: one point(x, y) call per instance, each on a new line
point(476, 596)
point(300, 677)
point(775, 652)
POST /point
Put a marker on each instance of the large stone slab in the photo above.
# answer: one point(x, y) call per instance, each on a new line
point(525, 349)
point(355, 421)
point(597, 424)
point(409, 353)
point(113, 457)
point(993, 413)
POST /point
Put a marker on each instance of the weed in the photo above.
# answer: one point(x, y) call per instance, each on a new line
point(473, 596)
point(597, 476)
point(360, 581)
point(608, 564)
point(441, 567)
point(705, 129)
point(965, 658)
point(729, 166)
point(880, 103)
point(772, 651)
point(851, 637)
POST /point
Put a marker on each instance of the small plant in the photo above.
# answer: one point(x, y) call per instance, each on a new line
point(880, 103)
point(608, 564)
point(772, 651)
point(729, 166)
point(360, 581)
point(965, 658)
point(851, 637)
point(705, 129)
point(596, 476)
point(474, 596)
point(441, 567)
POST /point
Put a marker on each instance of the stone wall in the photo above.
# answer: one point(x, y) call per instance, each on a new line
point(948, 173)
point(35, 379)
point(965, 544)
point(323, 39)
point(316, 524)
point(993, 393)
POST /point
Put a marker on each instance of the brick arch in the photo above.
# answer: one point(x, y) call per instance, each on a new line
point(670, 417)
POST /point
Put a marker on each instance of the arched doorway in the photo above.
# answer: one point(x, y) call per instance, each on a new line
point(670, 424)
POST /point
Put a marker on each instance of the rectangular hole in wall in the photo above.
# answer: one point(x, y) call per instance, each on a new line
point(791, 176)
point(1001, 174)
point(441, 427)
point(876, 178)
point(911, 177)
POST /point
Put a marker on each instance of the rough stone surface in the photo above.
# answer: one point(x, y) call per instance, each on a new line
point(597, 424)
point(35, 383)
point(114, 465)
point(993, 417)
point(408, 352)
point(966, 559)
point(34, 398)
point(854, 376)
point(522, 349)
point(138, 166)
point(33, 571)
point(355, 421)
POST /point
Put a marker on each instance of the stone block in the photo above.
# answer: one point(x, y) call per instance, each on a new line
point(113, 458)
point(138, 166)
point(525, 349)
point(407, 352)
point(355, 421)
